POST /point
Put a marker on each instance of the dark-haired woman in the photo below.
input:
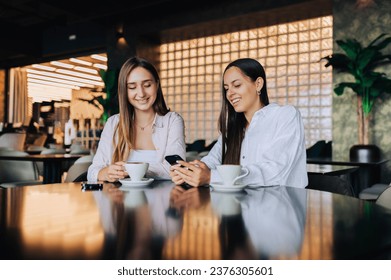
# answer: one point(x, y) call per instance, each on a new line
point(144, 130)
point(266, 139)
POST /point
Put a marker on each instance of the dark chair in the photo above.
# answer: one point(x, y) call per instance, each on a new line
point(82, 177)
point(197, 145)
point(78, 172)
point(15, 173)
point(373, 192)
point(13, 140)
point(384, 198)
point(210, 146)
point(332, 184)
point(320, 149)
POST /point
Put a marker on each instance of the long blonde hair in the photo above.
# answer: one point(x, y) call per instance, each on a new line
point(124, 132)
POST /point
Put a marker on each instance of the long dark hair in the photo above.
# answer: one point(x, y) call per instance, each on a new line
point(232, 124)
point(125, 127)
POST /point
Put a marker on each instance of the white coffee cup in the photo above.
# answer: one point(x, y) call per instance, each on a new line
point(229, 173)
point(134, 199)
point(136, 170)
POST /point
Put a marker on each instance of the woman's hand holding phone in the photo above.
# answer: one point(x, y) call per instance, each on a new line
point(176, 178)
point(195, 173)
point(172, 159)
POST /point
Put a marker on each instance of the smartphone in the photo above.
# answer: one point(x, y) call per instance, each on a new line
point(91, 186)
point(172, 159)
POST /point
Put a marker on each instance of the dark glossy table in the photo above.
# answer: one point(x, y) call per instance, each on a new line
point(52, 164)
point(330, 170)
point(368, 173)
point(163, 221)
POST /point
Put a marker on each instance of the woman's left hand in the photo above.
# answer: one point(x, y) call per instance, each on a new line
point(195, 173)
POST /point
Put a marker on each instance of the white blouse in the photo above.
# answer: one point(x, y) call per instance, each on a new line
point(168, 137)
point(149, 156)
point(273, 149)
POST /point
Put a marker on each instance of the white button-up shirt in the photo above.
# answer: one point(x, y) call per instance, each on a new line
point(168, 137)
point(273, 149)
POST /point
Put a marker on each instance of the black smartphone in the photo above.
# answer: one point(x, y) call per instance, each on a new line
point(91, 186)
point(172, 159)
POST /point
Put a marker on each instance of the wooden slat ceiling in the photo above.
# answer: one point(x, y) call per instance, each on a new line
point(52, 81)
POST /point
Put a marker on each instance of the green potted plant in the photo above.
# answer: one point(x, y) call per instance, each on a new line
point(110, 101)
point(361, 62)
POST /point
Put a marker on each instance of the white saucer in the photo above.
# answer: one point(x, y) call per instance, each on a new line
point(220, 187)
point(127, 183)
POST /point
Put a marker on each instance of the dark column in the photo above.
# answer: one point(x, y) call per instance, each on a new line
point(120, 46)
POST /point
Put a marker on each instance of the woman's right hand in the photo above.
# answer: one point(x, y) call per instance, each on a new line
point(113, 172)
point(196, 173)
point(175, 177)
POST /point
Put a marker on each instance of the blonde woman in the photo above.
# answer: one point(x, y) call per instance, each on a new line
point(144, 130)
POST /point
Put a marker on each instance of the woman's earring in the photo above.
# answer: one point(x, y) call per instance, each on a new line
point(259, 92)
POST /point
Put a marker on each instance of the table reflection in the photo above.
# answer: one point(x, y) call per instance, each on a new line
point(164, 221)
point(275, 219)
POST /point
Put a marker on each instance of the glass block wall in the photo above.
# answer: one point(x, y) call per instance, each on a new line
point(290, 52)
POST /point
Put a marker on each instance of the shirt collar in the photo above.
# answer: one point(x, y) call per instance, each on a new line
point(158, 121)
point(264, 110)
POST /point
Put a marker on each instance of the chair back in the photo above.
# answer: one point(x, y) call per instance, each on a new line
point(40, 141)
point(384, 198)
point(320, 149)
point(36, 149)
point(87, 158)
point(53, 151)
point(373, 192)
point(80, 151)
point(13, 140)
point(210, 146)
point(15, 170)
point(78, 172)
point(197, 145)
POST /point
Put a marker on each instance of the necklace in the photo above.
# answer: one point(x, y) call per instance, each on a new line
point(144, 127)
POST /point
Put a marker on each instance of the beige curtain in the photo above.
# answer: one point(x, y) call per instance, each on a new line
point(18, 101)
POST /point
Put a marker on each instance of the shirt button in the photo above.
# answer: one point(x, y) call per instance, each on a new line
point(243, 157)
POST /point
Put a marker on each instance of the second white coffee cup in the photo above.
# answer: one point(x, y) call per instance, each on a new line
point(136, 170)
point(230, 173)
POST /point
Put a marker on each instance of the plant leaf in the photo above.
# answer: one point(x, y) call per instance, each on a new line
point(365, 57)
point(379, 60)
point(368, 79)
point(340, 88)
point(376, 39)
point(382, 44)
point(351, 47)
point(339, 62)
